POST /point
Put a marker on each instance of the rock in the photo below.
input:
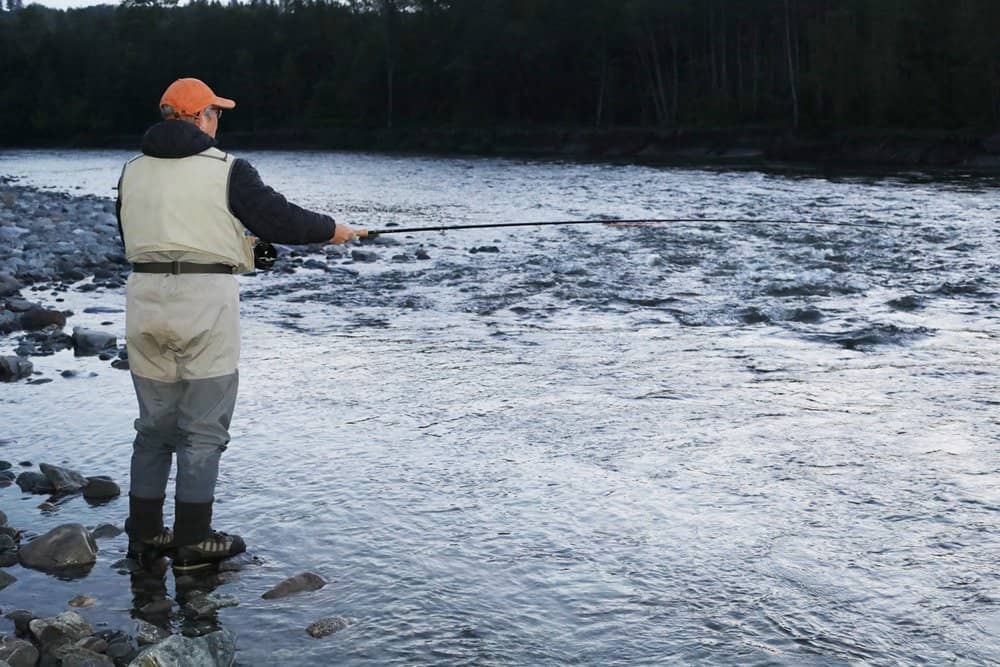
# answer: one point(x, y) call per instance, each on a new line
point(216, 648)
point(66, 628)
point(421, 254)
point(20, 618)
point(34, 482)
point(101, 488)
point(8, 558)
point(203, 605)
point(327, 626)
point(3, 517)
point(18, 652)
point(77, 656)
point(82, 601)
point(147, 633)
point(106, 530)
point(120, 645)
point(120, 364)
point(47, 506)
point(484, 248)
point(88, 342)
point(157, 607)
point(93, 643)
point(7, 543)
point(14, 368)
point(6, 579)
point(63, 547)
point(63, 480)
point(304, 581)
point(363, 256)
point(39, 318)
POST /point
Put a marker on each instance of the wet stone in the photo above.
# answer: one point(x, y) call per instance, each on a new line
point(87, 342)
point(304, 581)
point(101, 488)
point(216, 648)
point(147, 633)
point(157, 607)
point(326, 626)
point(82, 601)
point(14, 368)
point(63, 480)
point(20, 618)
point(18, 652)
point(106, 530)
point(204, 605)
point(6, 579)
point(64, 547)
point(77, 656)
point(34, 482)
point(363, 256)
point(93, 643)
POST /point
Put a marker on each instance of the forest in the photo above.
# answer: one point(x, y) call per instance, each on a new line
point(809, 65)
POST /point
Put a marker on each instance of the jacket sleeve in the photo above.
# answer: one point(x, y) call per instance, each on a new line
point(268, 215)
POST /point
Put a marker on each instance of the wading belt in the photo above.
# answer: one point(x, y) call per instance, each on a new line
point(180, 267)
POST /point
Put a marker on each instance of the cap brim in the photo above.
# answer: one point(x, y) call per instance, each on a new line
point(224, 103)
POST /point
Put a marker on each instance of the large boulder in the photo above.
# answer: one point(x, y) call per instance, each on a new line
point(88, 342)
point(217, 649)
point(65, 547)
point(63, 480)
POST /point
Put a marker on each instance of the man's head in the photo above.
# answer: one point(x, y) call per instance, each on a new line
point(195, 102)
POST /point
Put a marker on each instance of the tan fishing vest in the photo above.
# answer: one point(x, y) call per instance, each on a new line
point(178, 209)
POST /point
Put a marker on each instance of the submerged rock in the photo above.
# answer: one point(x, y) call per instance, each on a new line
point(39, 318)
point(6, 579)
point(304, 581)
point(327, 626)
point(204, 605)
point(64, 547)
point(106, 530)
point(217, 648)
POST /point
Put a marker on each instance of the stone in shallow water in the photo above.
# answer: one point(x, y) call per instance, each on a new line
point(147, 633)
point(66, 628)
point(327, 626)
point(304, 581)
point(88, 342)
point(203, 605)
point(14, 368)
point(34, 482)
point(82, 601)
point(6, 579)
point(64, 547)
point(63, 480)
point(101, 488)
point(217, 648)
point(106, 530)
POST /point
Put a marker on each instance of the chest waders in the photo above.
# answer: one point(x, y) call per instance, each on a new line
point(183, 333)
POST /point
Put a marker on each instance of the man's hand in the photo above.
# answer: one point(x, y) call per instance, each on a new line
point(343, 233)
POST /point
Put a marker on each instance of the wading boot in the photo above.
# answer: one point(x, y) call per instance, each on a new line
point(153, 548)
point(217, 547)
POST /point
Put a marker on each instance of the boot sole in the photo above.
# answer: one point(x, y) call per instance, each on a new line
point(193, 567)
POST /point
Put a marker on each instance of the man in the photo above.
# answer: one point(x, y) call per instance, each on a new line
point(182, 209)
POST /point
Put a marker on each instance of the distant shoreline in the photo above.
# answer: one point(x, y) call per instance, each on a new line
point(891, 149)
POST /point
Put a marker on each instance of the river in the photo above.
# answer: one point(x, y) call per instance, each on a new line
point(692, 443)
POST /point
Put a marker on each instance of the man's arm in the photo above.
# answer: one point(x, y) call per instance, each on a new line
point(271, 217)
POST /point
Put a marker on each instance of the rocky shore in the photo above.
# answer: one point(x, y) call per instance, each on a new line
point(51, 244)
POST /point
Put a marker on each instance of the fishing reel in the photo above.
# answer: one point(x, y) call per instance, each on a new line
point(264, 255)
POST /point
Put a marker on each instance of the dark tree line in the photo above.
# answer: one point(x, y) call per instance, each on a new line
point(294, 64)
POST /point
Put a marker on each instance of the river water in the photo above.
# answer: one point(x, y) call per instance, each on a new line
point(714, 443)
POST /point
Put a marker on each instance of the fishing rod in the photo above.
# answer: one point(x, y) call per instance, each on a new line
point(638, 222)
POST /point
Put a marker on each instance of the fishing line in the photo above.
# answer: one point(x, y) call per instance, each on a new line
point(638, 222)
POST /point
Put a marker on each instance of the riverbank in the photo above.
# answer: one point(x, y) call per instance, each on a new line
point(973, 150)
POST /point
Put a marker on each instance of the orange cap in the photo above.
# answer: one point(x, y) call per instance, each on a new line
point(188, 97)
